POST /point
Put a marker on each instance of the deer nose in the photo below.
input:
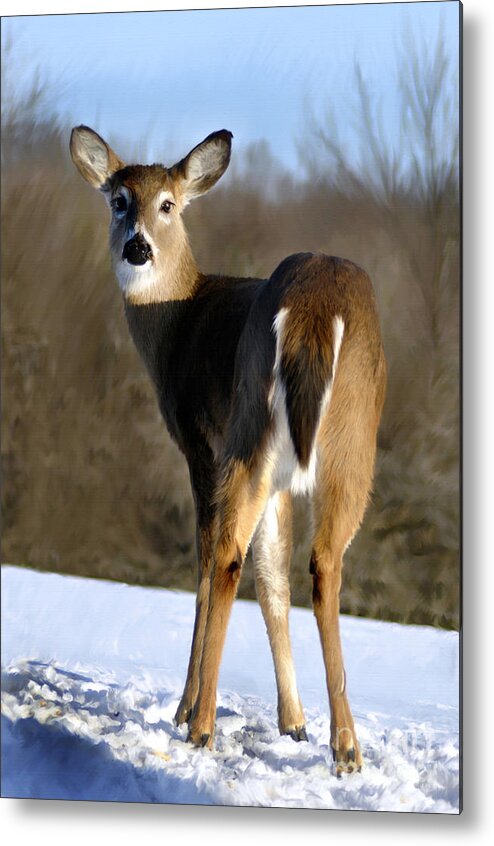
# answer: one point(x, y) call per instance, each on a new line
point(137, 250)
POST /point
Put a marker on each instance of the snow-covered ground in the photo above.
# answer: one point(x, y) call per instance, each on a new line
point(92, 673)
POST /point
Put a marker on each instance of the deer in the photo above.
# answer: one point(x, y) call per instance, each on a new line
point(271, 388)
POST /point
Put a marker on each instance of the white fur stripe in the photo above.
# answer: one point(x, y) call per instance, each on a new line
point(338, 329)
point(287, 474)
point(271, 559)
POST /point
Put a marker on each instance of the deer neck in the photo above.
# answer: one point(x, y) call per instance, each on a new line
point(157, 331)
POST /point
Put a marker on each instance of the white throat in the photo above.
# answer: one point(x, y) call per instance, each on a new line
point(135, 279)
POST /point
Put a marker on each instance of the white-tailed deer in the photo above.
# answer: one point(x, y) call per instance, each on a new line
point(270, 387)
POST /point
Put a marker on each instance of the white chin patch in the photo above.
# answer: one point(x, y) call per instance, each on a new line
point(135, 278)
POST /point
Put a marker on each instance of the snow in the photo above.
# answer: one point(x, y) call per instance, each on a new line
point(92, 673)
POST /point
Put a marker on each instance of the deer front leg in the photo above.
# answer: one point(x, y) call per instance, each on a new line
point(243, 502)
point(227, 570)
point(202, 476)
point(205, 559)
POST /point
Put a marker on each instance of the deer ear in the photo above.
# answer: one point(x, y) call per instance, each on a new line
point(204, 165)
point(92, 156)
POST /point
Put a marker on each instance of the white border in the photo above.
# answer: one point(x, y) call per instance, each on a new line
point(80, 822)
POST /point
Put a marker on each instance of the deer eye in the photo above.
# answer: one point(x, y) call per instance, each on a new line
point(119, 205)
point(166, 206)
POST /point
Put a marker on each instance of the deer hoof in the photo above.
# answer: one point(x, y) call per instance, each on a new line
point(347, 761)
point(204, 740)
point(183, 715)
point(298, 734)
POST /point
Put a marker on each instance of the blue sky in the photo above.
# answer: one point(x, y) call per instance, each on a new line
point(158, 82)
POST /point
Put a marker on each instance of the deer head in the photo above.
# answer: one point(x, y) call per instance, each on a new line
point(150, 252)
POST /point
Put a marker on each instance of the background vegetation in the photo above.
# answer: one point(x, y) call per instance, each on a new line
point(91, 481)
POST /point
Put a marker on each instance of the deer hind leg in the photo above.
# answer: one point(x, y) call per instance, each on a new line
point(342, 486)
point(272, 546)
point(242, 502)
point(325, 567)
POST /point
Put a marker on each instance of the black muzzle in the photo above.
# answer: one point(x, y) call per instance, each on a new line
point(137, 250)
